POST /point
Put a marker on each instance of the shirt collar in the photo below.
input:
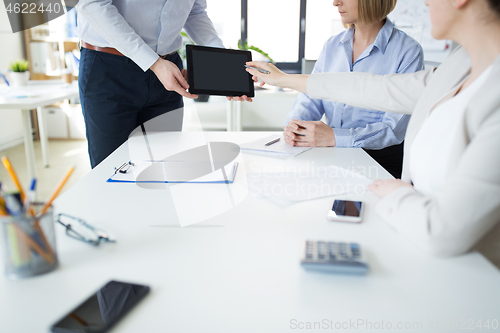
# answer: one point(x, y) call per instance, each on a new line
point(382, 38)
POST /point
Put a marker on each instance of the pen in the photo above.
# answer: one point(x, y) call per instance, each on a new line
point(5, 79)
point(260, 70)
point(272, 142)
point(30, 198)
point(13, 204)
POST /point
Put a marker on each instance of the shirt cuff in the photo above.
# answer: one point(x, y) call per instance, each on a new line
point(145, 57)
point(343, 138)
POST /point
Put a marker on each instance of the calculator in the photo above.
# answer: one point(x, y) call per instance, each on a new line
point(334, 257)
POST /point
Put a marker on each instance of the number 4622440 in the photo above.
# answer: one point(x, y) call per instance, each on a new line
point(471, 324)
point(33, 8)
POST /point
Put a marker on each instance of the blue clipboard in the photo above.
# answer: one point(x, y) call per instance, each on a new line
point(173, 172)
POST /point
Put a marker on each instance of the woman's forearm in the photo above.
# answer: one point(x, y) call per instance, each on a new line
point(295, 81)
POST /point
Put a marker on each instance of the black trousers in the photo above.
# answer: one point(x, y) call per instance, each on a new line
point(390, 158)
point(117, 96)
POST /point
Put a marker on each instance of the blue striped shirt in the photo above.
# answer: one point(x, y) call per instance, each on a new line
point(392, 52)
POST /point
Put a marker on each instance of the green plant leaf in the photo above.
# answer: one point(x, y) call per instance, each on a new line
point(254, 48)
point(19, 66)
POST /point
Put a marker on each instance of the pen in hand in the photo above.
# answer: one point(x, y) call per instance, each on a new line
point(260, 70)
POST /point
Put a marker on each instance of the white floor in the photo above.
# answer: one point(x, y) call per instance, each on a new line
point(63, 154)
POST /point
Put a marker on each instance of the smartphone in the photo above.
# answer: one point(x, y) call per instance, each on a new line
point(346, 211)
point(103, 309)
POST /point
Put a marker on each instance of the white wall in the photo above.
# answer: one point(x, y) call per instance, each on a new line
point(11, 132)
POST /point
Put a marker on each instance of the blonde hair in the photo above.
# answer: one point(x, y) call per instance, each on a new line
point(373, 11)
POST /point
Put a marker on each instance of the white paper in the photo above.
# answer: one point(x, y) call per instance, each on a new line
point(279, 149)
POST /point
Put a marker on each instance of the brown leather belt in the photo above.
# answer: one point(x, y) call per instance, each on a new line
point(111, 50)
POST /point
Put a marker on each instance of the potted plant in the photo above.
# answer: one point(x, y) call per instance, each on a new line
point(253, 48)
point(19, 72)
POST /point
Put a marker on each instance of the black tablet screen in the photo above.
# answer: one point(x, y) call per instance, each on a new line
point(222, 72)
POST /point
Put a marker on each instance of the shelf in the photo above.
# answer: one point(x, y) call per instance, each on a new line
point(56, 40)
point(42, 76)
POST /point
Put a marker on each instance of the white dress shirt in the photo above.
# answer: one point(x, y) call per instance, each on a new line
point(141, 30)
point(430, 162)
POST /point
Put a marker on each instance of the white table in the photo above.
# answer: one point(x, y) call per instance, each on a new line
point(239, 271)
point(39, 94)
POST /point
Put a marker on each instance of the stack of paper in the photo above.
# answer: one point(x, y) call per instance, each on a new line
point(279, 149)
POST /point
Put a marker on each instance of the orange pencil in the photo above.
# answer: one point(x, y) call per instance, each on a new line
point(56, 191)
point(14, 177)
point(16, 181)
point(3, 212)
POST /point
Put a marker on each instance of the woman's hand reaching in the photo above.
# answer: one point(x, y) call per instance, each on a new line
point(276, 77)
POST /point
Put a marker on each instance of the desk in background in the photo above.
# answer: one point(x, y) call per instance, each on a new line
point(43, 93)
point(239, 271)
point(268, 111)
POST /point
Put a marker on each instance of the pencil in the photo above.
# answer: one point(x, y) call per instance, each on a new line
point(32, 244)
point(56, 191)
point(3, 212)
point(3, 207)
point(14, 177)
point(36, 225)
point(16, 181)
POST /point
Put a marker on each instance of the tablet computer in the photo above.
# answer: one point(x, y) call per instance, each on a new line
point(217, 71)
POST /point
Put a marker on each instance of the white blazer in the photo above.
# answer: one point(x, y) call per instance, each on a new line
point(466, 212)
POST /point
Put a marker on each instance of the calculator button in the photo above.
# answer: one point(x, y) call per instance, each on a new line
point(333, 251)
point(355, 250)
point(322, 250)
point(343, 251)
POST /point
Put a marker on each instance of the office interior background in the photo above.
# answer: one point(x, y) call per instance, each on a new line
point(292, 32)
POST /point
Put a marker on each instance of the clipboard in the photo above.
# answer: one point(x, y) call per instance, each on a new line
point(172, 172)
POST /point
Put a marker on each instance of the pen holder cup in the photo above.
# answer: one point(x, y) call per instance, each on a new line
point(29, 245)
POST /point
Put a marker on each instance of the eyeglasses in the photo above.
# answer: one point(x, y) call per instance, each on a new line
point(81, 230)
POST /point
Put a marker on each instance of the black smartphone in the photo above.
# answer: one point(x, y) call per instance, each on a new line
point(346, 211)
point(103, 309)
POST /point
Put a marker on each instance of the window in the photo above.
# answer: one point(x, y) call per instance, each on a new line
point(283, 28)
point(225, 15)
point(322, 22)
point(277, 27)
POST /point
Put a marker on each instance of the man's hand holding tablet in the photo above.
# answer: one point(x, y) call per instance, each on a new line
point(171, 78)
